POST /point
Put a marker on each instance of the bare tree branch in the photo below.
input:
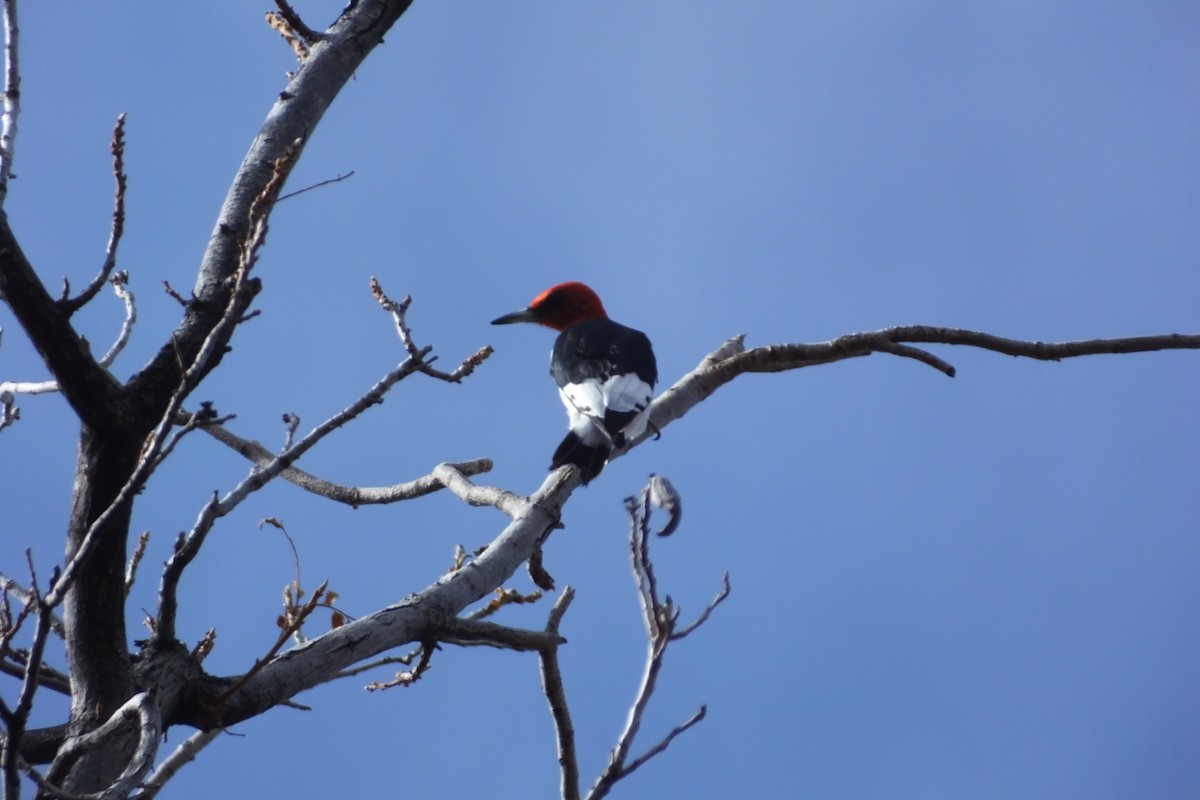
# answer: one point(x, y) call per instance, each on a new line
point(242, 292)
point(12, 96)
point(292, 421)
point(732, 359)
point(663, 743)
point(16, 719)
point(182, 755)
point(70, 306)
point(707, 612)
point(47, 677)
point(454, 478)
point(353, 496)
point(94, 395)
point(408, 677)
point(120, 284)
point(293, 625)
point(399, 316)
point(267, 469)
point(411, 619)
point(293, 117)
point(660, 629)
point(468, 632)
point(9, 586)
point(556, 696)
point(323, 657)
point(146, 421)
point(10, 389)
point(140, 708)
point(660, 618)
point(139, 552)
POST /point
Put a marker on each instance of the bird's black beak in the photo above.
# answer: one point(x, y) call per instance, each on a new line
point(524, 315)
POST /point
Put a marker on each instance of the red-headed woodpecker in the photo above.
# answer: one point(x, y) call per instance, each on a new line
point(605, 374)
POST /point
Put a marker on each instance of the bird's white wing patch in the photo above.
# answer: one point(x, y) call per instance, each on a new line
point(626, 393)
point(588, 401)
point(585, 398)
point(631, 393)
point(585, 409)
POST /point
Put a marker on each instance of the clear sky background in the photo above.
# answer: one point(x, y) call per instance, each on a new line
point(981, 587)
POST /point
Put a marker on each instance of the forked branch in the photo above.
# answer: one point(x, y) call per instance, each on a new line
point(660, 618)
point(10, 390)
point(353, 496)
point(732, 358)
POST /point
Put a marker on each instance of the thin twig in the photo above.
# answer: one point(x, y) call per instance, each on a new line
point(399, 311)
point(661, 618)
point(316, 185)
point(706, 613)
point(405, 660)
point(176, 296)
point(16, 719)
point(120, 284)
point(24, 595)
point(700, 714)
point(658, 636)
point(291, 423)
point(408, 678)
point(41, 631)
point(556, 696)
point(284, 635)
point(115, 231)
point(134, 560)
point(906, 351)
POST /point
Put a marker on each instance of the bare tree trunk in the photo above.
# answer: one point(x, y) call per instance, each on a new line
point(94, 606)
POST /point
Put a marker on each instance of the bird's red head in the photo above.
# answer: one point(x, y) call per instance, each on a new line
point(559, 307)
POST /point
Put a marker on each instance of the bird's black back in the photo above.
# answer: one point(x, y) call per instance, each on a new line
point(600, 348)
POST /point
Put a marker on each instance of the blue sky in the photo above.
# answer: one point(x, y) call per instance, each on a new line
point(982, 587)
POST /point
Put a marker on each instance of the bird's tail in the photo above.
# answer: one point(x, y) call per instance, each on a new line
point(589, 458)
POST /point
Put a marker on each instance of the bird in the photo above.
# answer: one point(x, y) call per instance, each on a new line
point(605, 374)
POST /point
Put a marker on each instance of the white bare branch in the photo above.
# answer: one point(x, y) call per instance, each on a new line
point(142, 709)
point(182, 755)
point(11, 97)
point(732, 358)
point(355, 496)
